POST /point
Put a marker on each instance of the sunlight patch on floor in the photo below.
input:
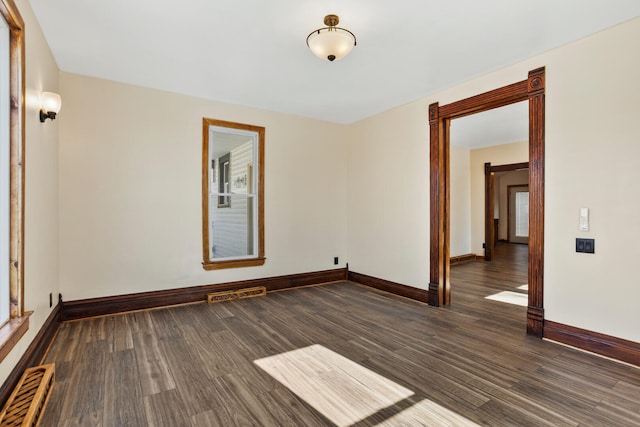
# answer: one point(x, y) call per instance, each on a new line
point(524, 287)
point(340, 389)
point(427, 413)
point(509, 297)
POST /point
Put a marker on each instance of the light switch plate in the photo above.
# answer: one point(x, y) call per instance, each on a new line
point(584, 219)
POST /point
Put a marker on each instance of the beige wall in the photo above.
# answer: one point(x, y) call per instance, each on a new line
point(131, 195)
point(460, 204)
point(41, 186)
point(591, 154)
point(389, 196)
point(505, 154)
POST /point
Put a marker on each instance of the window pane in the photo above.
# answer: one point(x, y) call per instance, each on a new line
point(232, 228)
point(5, 168)
point(522, 214)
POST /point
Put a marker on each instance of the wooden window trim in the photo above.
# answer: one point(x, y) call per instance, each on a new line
point(16, 327)
point(208, 263)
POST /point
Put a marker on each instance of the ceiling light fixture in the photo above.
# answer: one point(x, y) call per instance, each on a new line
point(331, 42)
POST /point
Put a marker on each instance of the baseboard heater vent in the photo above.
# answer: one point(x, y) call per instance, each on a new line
point(27, 402)
point(258, 291)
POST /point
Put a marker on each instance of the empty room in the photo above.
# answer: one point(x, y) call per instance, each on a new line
point(319, 213)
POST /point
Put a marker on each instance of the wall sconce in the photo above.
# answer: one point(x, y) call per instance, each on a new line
point(50, 105)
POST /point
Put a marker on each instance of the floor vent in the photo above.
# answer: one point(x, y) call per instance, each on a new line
point(27, 402)
point(258, 291)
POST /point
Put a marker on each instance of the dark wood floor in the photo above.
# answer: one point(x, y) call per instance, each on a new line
point(194, 365)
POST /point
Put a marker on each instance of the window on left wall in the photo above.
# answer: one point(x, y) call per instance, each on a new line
point(13, 320)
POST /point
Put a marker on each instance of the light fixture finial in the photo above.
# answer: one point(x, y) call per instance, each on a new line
point(331, 20)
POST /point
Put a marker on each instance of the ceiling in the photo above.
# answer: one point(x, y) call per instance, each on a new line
point(499, 126)
point(253, 52)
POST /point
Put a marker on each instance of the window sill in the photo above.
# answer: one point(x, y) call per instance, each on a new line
point(217, 265)
point(11, 332)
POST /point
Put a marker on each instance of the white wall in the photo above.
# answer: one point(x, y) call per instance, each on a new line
point(131, 195)
point(460, 203)
point(517, 152)
point(592, 97)
point(41, 186)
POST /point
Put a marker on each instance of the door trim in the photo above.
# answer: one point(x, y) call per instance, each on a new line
point(489, 212)
point(533, 90)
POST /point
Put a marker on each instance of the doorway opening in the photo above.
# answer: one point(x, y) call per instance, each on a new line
point(533, 90)
point(499, 214)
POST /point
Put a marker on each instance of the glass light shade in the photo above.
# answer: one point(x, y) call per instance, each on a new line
point(51, 102)
point(331, 42)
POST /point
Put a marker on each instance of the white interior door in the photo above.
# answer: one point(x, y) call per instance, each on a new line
point(519, 214)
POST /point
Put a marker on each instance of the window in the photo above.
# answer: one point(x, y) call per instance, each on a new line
point(14, 323)
point(5, 167)
point(232, 194)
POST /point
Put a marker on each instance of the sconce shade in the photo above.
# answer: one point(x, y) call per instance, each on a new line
point(331, 43)
point(51, 102)
point(50, 105)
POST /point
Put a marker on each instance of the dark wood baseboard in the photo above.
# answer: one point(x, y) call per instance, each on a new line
point(34, 355)
point(79, 309)
point(460, 259)
point(392, 287)
point(479, 257)
point(605, 345)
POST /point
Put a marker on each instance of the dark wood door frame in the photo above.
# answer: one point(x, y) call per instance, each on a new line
point(533, 90)
point(489, 223)
point(489, 213)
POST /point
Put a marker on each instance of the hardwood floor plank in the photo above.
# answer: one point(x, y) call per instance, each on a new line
point(501, 414)
point(153, 369)
point(434, 384)
point(611, 414)
point(217, 417)
point(85, 387)
point(220, 359)
point(241, 405)
point(165, 409)
point(65, 346)
point(59, 394)
point(123, 403)
point(92, 419)
point(193, 384)
point(122, 334)
point(140, 321)
point(290, 410)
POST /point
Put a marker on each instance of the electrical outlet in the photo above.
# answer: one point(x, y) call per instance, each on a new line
point(50, 299)
point(335, 260)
